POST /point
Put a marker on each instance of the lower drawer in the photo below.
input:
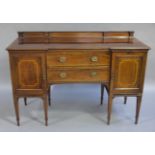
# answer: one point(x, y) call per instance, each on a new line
point(100, 74)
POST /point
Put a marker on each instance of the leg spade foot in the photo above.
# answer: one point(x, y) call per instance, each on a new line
point(125, 99)
point(25, 101)
point(102, 93)
point(45, 103)
point(49, 97)
point(138, 106)
point(16, 106)
point(109, 108)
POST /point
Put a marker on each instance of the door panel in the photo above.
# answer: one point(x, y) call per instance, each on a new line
point(128, 71)
point(29, 70)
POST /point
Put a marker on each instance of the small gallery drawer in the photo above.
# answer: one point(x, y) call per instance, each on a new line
point(77, 58)
point(78, 75)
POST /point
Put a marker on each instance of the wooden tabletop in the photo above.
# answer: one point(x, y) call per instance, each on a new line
point(136, 44)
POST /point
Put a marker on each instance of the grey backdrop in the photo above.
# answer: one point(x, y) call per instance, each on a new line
point(76, 107)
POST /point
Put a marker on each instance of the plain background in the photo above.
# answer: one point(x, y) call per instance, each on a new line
point(145, 32)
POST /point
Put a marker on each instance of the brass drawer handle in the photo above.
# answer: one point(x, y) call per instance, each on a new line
point(94, 58)
point(63, 75)
point(93, 74)
point(62, 59)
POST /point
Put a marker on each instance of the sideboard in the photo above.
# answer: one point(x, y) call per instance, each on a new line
point(115, 59)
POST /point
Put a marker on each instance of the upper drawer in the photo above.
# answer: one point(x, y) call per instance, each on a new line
point(77, 58)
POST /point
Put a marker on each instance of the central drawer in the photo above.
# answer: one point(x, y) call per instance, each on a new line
point(100, 74)
point(56, 58)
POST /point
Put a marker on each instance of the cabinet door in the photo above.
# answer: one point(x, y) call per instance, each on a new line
point(28, 71)
point(128, 70)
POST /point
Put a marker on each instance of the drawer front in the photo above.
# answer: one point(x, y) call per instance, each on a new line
point(77, 58)
point(78, 75)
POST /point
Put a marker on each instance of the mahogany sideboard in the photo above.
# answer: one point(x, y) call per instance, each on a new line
point(116, 60)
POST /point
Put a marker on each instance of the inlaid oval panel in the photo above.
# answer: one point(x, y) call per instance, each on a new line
point(28, 71)
point(128, 73)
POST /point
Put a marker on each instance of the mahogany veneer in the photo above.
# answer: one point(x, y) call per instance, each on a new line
point(115, 59)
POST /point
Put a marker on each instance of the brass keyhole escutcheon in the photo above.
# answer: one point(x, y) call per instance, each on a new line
point(94, 58)
point(63, 74)
point(93, 74)
point(62, 59)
